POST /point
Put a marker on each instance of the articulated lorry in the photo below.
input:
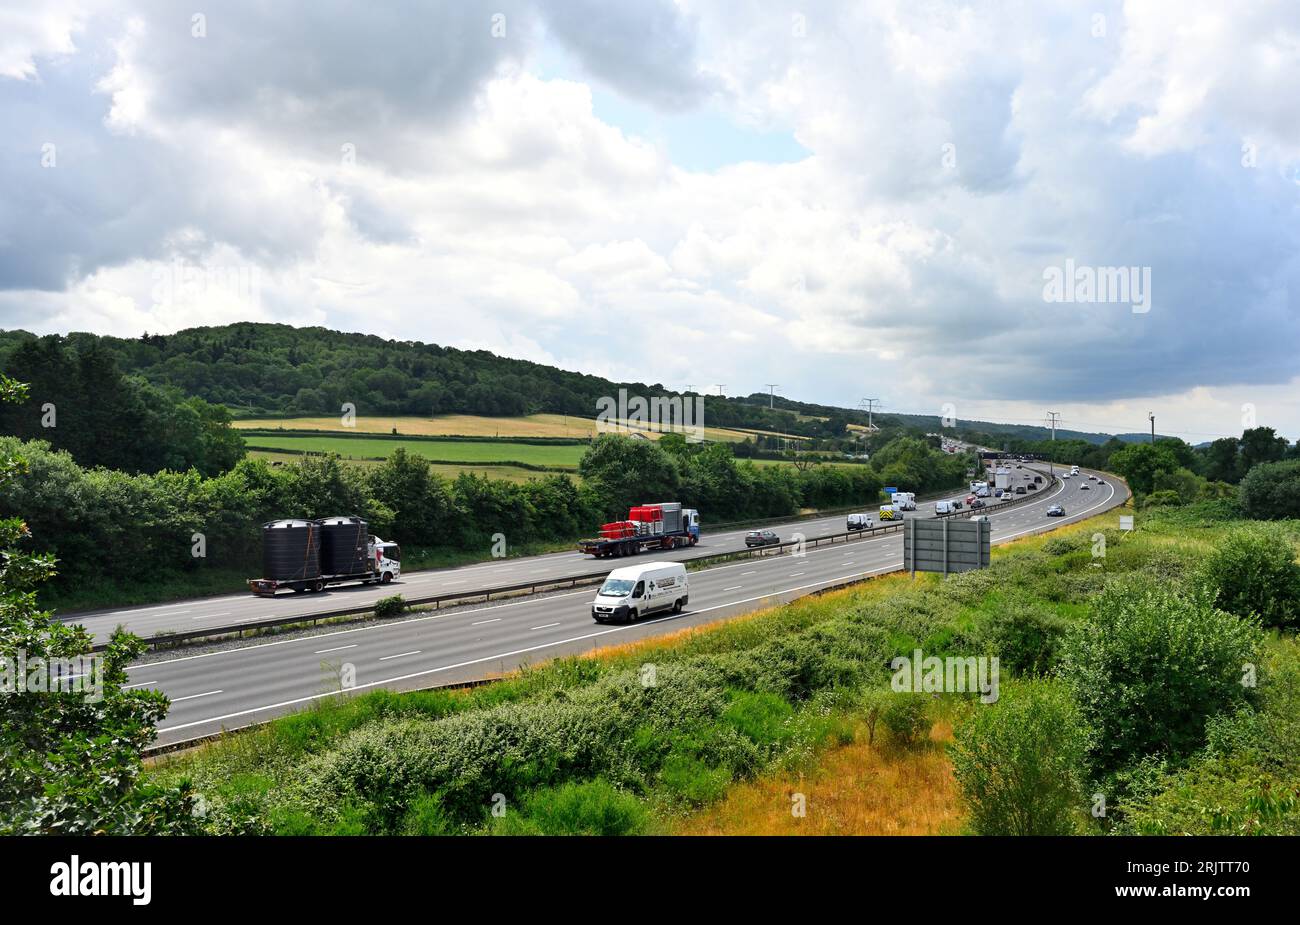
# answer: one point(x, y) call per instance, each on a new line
point(308, 555)
point(665, 525)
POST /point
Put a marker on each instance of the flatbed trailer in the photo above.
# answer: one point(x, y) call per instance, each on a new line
point(267, 587)
point(664, 525)
point(631, 546)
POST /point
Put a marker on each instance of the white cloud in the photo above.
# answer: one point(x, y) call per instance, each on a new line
point(955, 153)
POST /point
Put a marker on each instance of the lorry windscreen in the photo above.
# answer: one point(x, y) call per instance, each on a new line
point(616, 587)
point(392, 551)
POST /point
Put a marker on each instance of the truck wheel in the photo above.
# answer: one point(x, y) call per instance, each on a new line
point(318, 586)
point(388, 576)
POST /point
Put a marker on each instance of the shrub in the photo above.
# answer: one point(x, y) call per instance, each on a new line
point(1253, 571)
point(1271, 491)
point(1025, 638)
point(1019, 762)
point(427, 816)
point(593, 807)
point(904, 715)
point(760, 717)
point(390, 606)
point(1150, 666)
point(1162, 498)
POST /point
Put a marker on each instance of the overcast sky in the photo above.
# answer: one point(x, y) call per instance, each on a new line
point(852, 200)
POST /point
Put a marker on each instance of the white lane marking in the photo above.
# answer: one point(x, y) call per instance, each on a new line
point(335, 649)
point(544, 626)
point(385, 658)
point(358, 629)
point(850, 562)
point(224, 613)
point(732, 588)
point(796, 574)
point(520, 651)
point(437, 616)
point(127, 687)
point(194, 696)
point(128, 613)
point(488, 658)
point(481, 622)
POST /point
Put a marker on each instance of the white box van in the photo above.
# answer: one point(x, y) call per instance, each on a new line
point(632, 592)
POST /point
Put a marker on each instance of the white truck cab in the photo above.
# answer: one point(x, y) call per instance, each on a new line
point(387, 558)
point(632, 592)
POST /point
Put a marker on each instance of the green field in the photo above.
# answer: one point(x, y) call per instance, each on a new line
point(451, 451)
point(446, 470)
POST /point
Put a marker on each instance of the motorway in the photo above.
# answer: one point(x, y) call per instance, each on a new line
point(234, 687)
point(242, 608)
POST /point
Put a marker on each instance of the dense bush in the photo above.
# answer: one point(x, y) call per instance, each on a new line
point(1019, 762)
point(593, 807)
point(1025, 636)
point(1165, 498)
point(1150, 666)
point(1253, 572)
point(905, 717)
point(1271, 491)
point(390, 606)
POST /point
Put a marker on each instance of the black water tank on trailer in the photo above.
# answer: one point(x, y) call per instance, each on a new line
point(291, 550)
point(344, 546)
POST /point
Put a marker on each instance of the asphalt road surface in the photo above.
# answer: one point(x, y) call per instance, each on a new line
point(235, 687)
point(245, 607)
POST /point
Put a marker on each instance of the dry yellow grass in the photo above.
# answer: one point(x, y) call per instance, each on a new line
point(856, 789)
point(468, 425)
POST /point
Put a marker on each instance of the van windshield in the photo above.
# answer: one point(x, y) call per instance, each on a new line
point(616, 587)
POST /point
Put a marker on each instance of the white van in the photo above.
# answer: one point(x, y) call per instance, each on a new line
point(632, 592)
point(860, 522)
point(944, 507)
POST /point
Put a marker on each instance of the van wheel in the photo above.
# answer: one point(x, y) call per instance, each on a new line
point(677, 605)
point(631, 616)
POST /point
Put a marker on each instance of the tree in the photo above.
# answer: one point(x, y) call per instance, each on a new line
point(1221, 460)
point(1261, 445)
point(1271, 491)
point(70, 760)
point(621, 471)
point(1184, 483)
point(1139, 463)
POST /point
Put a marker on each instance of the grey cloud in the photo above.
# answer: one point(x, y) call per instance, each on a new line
point(644, 50)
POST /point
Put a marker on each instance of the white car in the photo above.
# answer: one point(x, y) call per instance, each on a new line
point(1084, 486)
point(1065, 475)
